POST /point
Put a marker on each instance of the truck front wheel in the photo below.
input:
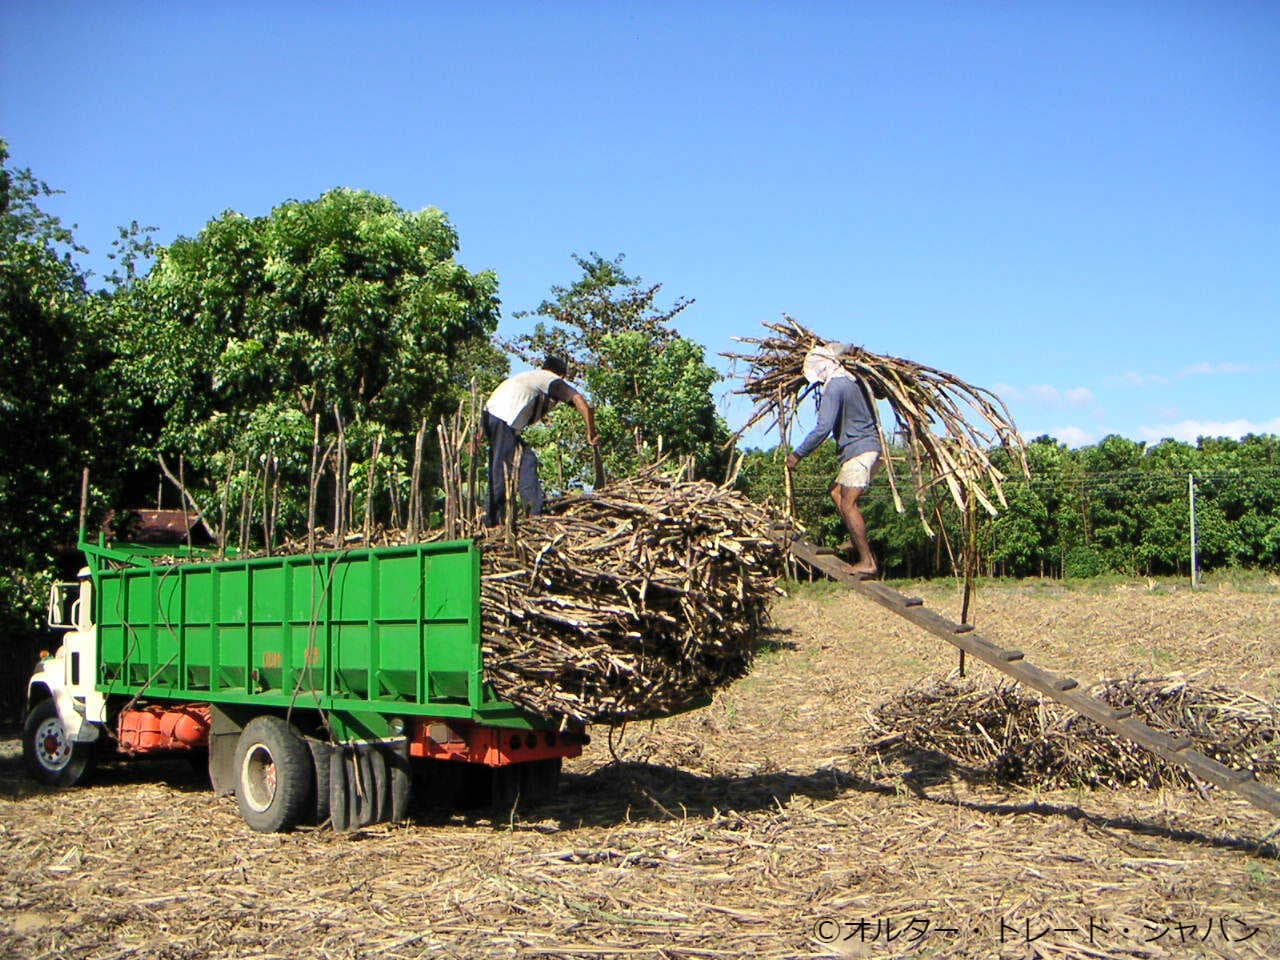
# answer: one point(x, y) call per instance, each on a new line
point(274, 776)
point(51, 755)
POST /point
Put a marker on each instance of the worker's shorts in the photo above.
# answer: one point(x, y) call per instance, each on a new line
point(858, 470)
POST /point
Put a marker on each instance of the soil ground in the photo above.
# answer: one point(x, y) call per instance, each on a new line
point(755, 827)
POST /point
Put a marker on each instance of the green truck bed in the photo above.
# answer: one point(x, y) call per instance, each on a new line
point(365, 635)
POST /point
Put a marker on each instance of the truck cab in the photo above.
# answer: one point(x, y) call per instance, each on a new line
point(65, 711)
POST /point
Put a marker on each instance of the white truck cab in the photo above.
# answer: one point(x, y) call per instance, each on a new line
point(65, 711)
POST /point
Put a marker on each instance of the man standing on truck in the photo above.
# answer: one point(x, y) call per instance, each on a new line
point(845, 414)
point(520, 401)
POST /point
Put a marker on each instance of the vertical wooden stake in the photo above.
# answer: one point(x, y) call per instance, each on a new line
point(266, 504)
point(312, 485)
point(415, 486)
point(970, 561)
point(1191, 498)
point(369, 488)
point(84, 500)
point(275, 498)
point(340, 492)
point(222, 513)
point(182, 498)
point(473, 446)
point(784, 431)
point(246, 514)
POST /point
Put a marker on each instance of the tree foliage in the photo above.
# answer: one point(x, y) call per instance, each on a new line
point(650, 386)
point(345, 307)
point(1117, 507)
point(604, 301)
point(47, 364)
point(50, 356)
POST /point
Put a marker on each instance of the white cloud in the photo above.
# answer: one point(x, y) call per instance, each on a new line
point(1210, 369)
point(1189, 431)
point(1052, 396)
point(1079, 396)
point(1072, 436)
point(1006, 392)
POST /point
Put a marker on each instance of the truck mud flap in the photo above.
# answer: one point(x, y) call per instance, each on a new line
point(362, 783)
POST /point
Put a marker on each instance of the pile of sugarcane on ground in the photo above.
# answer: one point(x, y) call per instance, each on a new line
point(630, 602)
point(1000, 732)
point(946, 427)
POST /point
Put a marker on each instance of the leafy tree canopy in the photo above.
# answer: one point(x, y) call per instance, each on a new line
point(46, 370)
point(605, 300)
point(650, 386)
point(345, 306)
point(48, 397)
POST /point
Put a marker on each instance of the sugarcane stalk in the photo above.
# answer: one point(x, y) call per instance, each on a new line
point(923, 400)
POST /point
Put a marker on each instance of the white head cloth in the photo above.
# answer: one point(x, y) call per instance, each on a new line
point(822, 362)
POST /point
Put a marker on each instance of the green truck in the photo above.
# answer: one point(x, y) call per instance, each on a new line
point(321, 686)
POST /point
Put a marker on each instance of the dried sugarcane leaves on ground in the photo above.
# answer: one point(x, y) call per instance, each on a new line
point(730, 831)
point(1007, 733)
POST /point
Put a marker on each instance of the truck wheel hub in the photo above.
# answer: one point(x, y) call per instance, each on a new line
point(258, 777)
point(52, 745)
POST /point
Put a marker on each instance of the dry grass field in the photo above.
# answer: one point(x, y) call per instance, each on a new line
point(756, 827)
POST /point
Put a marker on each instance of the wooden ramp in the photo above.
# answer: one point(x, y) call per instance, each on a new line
point(1065, 690)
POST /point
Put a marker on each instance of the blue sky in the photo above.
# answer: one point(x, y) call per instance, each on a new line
point(1077, 204)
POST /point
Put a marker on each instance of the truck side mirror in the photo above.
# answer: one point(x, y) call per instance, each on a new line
point(64, 603)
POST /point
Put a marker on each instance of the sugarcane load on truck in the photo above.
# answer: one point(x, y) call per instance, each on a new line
point(326, 686)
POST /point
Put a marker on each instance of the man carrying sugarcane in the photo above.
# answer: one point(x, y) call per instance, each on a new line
point(845, 414)
point(518, 402)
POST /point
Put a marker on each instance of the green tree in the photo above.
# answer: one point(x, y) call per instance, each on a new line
point(1018, 533)
point(48, 402)
point(604, 301)
point(651, 387)
point(1113, 510)
point(346, 307)
point(1160, 503)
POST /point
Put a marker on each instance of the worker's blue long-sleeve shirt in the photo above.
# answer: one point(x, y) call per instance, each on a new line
point(844, 412)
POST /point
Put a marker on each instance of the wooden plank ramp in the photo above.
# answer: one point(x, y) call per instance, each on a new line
point(1175, 748)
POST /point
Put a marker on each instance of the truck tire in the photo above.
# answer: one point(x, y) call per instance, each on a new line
point(338, 800)
point(365, 811)
point(381, 793)
point(321, 757)
point(52, 757)
point(274, 776)
point(401, 777)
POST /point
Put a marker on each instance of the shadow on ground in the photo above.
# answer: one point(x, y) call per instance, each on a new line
point(186, 775)
point(628, 792)
point(624, 792)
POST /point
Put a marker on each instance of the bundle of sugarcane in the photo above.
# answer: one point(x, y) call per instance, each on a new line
point(630, 602)
point(1014, 736)
point(923, 399)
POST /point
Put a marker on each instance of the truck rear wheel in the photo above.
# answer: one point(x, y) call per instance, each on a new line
point(274, 776)
point(51, 755)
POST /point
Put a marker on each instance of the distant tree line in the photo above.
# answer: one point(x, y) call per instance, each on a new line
point(1119, 506)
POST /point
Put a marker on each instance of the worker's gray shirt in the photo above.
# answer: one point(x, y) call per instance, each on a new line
point(844, 412)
